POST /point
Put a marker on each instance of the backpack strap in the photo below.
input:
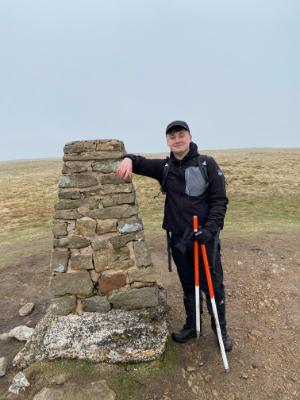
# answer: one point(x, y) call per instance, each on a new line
point(165, 175)
point(202, 164)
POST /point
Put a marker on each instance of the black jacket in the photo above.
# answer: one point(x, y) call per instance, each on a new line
point(186, 192)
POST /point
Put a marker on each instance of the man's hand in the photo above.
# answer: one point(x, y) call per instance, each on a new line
point(124, 170)
point(203, 236)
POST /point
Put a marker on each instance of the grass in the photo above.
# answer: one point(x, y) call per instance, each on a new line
point(132, 379)
point(263, 189)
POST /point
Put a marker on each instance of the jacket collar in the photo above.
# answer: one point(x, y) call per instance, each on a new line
point(193, 152)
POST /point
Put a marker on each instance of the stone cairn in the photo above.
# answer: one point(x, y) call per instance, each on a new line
point(107, 304)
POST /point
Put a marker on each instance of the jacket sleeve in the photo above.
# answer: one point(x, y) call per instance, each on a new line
point(152, 168)
point(216, 196)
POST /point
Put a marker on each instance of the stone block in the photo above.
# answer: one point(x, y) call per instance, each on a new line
point(63, 305)
point(72, 242)
point(94, 156)
point(81, 261)
point(110, 280)
point(60, 229)
point(86, 226)
point(59, 260)
point(106, 226)
point(109, 259)
point(123, 211)
point(69, 194)
point(78, 283)
point(118, 199)
point(67, 204)
point(77, 181)
point(112, 179)
point(105, 167)
point(96, 304)
point(122, 239)
point(79, 147)
point(73, 167)
point(122, 188)
point(94, 275)
point(142, 275)
point(141, 253)
point(110, 145)
point(131, 299)
point(67, 214)
point(130, 225)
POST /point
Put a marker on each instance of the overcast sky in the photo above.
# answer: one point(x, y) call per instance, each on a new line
point(92, 69)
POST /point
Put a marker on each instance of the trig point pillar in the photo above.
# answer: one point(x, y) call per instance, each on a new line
point(106, 302)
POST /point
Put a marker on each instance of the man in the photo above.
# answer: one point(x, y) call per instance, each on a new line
point(194, 185)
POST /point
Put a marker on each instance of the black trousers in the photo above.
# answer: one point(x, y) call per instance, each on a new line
point(185, 267)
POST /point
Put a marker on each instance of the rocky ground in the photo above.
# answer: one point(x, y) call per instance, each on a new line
point(262, 276)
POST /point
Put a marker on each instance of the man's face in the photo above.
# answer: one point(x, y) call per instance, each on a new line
point(179, 142)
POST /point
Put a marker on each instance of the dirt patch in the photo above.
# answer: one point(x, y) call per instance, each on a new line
point(262, 276)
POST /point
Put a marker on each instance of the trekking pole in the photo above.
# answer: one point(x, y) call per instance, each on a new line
point(197, 278)
point(214, 307)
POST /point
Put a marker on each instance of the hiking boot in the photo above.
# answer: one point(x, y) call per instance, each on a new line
point(184, 334)
point(189, 329)
point(222, 320)
point(227, 341)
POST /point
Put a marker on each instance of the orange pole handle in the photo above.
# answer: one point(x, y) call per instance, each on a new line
point(207, 272)
point(196, 253)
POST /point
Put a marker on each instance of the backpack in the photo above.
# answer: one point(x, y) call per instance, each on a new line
point(202, 164)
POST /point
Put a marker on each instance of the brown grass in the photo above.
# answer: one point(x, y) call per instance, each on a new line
point(263, 188)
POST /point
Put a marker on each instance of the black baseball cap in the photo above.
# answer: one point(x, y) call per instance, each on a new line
point(177, 124)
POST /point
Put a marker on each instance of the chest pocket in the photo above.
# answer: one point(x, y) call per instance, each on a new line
point(195, 183)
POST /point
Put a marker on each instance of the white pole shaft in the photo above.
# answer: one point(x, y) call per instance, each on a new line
point(222, 348)
point(197, 298)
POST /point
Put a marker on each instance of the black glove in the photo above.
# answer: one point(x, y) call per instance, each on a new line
point(203, 236)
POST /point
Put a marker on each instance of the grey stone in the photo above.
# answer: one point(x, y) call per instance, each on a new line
point(112, 179)
point(67, 204)
point(69, 194)
point(59, 260)
point(106, 226)
point(72, 242)
point(122, 239)
point(77, 181)
point(101, 244)
point(110, 145)
point(105, 167)
point(142, 275)
point(71, 167)
point(94, 155)
point(123, 211)
point(122, 188)
point(63, 305)
point(79, 146)
point(67, 214)
point(86, 226)
point(26, 309)
point(127, 226)
point(96, 304)
point(60, 229)
point(72, 391)
point(115, 336)
point(3, 366)
point(78, 283)
point(110, 258)
point(131, 299)
point(20, 333)
point(118, 199)
point(142, 257)
point(81, 261)
point(19, 384)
